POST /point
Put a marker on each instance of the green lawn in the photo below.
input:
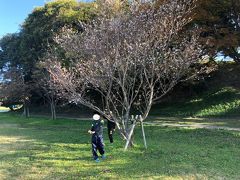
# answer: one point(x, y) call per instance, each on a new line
point(39, 148)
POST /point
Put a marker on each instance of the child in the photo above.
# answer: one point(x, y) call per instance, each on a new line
point(111, 128)
point(97, 137)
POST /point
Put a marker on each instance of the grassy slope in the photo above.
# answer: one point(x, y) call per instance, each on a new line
point(219, 102)
point(38, 148)
point(221, 98)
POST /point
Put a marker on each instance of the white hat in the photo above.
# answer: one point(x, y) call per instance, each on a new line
point(96, 117)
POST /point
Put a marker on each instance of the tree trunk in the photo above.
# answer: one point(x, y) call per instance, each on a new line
point(129, 142)
point(143, 133)
point(28, 113)
point(126, 120)
point(53, 110)
point(26, 109)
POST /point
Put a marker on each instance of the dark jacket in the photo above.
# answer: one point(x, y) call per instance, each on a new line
point(111, 125)
point(97, 126)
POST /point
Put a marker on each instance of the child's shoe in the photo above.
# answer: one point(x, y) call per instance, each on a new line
point(97, 160)
point(103, 156)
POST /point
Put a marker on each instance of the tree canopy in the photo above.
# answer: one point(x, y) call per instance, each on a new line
point(219, 26)
point(219, 22)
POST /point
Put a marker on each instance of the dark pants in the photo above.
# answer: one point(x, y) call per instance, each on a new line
point(97, 145)
point(111, 127)
point(110, 135)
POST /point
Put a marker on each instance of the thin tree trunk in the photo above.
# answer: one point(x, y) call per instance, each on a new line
point(53, 110)
point(28, 113)
point(121, 132)
point(143, 132)
point(129, 139)
point(26, 109)
point(126, 120)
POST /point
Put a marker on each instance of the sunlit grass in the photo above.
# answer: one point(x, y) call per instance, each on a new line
point(220, 109)
point(39, 148)
point(4, 108)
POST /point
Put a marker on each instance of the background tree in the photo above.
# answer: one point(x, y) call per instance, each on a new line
point(10, 51)
point(44, 87)
point(219, 21)
point(14, 90)
point(131, 61)
point(219, 24)
point(38, 35)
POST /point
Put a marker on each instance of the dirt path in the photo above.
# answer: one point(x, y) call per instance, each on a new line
point(194, 125)
point(207, 123)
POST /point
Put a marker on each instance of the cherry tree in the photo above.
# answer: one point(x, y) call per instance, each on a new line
point(130, 61)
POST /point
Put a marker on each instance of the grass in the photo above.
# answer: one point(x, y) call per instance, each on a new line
point(220, 102)
point(2, 109)
point(40, 148)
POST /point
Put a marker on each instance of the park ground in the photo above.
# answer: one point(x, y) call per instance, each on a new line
point(41, 148)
